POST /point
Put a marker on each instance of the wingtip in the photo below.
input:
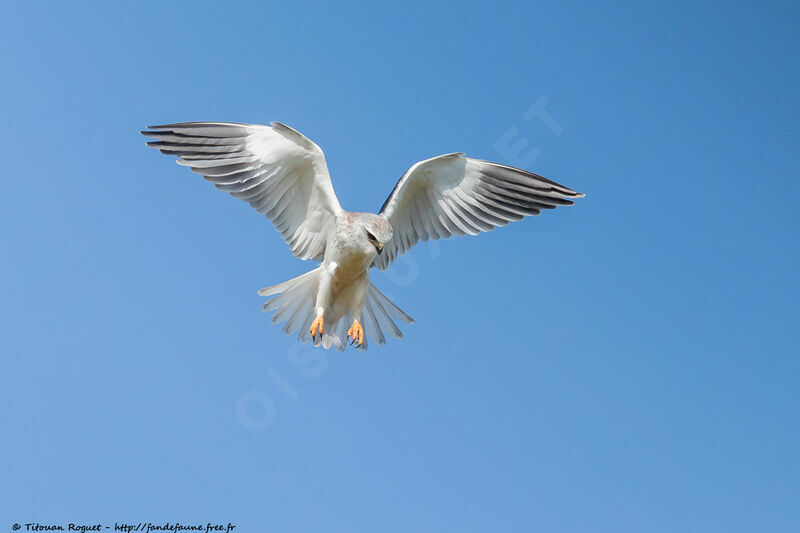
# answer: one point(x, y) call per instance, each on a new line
point(170, 126)
point(281, 126)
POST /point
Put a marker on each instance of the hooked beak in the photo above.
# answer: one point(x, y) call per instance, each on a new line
point(379, 247)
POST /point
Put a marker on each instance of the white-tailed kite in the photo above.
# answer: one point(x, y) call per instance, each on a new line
point(283, 175)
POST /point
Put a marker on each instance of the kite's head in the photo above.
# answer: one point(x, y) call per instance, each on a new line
point(377, 230)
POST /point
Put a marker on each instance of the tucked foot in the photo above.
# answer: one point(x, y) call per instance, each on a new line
point(317, 326)
point(356, 332)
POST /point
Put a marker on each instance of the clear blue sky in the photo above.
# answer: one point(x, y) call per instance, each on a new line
point(634, 368)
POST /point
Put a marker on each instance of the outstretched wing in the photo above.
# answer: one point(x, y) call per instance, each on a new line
point(456, 195)
point(277, 170)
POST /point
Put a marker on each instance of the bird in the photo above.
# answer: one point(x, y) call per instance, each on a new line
point(283, 175)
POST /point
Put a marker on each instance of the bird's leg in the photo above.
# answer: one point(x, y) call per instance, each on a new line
point(323, 299)
point(317, 325)
point(356, 332)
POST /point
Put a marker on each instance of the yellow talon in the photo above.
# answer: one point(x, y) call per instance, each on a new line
point(318, 324)
point(356, 332)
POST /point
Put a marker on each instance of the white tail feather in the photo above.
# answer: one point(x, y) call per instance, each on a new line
point(294, 302)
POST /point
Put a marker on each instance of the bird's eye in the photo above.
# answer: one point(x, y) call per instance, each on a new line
point(371, 237)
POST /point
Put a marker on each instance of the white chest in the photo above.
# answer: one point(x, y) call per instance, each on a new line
point(351, 252)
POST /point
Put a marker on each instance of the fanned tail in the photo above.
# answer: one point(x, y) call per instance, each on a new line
point(379, 312)
point(294, 302)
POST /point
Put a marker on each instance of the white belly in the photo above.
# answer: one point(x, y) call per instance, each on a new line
point(348, 257)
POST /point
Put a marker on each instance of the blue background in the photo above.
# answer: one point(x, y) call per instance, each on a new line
point(628, 364)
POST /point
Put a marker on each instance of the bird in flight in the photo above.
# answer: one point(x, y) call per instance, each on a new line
point(283, 175)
